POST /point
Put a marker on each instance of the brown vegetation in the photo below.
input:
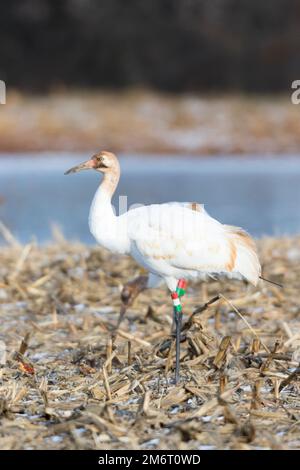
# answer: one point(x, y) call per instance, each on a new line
point(146, 122)
point(65, 384)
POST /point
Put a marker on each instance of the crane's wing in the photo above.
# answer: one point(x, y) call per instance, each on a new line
point(184, 236)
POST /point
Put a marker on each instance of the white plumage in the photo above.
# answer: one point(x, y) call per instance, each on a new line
point(172, 240)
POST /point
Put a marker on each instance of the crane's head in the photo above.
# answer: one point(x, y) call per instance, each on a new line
point(103, 161)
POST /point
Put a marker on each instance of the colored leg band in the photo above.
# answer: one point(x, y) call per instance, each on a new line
point(176, 302)
point(181, 287)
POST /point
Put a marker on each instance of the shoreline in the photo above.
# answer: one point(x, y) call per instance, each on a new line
point(143, 121)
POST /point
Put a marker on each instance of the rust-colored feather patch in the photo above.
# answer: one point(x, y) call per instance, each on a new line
point(195, 207)
point(232, 256)
point(161, 256)
point(242, 236)
point(246, 260)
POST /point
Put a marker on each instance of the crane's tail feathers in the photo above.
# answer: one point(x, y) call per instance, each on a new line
point(246, 260)
point(271, 282)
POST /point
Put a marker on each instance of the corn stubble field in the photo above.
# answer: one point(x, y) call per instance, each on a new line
point(67, 385)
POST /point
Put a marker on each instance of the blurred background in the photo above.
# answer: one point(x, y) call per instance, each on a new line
point(194, 95)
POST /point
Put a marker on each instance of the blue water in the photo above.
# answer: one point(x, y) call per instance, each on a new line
point(261, 195)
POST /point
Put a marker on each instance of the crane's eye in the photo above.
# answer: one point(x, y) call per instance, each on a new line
point(100, 160)
point(103, 162)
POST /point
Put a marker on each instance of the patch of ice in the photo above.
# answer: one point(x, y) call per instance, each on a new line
point(79, 431)
point(56, 438)
point(104, 310)
point(206, 419)
point(79, 307)
point(246, 388)
point(174, 410)
point(152, 442)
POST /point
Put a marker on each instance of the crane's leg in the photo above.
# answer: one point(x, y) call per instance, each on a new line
point(176, 296)
point(177, 320)
point(129, 293)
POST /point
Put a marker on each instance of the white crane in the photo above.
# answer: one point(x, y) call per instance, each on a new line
point(174, 241)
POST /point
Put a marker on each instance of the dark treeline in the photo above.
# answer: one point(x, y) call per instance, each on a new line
point(171, 45)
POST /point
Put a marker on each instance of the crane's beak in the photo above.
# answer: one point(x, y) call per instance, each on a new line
point(88, 165)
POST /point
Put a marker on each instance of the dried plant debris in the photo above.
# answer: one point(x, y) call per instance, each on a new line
point(143, 121)
point(69, 381)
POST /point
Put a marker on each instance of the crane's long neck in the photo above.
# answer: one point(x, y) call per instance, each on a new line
point(102, 219)
point(109, 184)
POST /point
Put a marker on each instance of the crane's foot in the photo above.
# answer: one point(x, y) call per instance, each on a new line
point(129, 293)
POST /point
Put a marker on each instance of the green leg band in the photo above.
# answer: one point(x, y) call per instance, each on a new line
point(180, 292)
